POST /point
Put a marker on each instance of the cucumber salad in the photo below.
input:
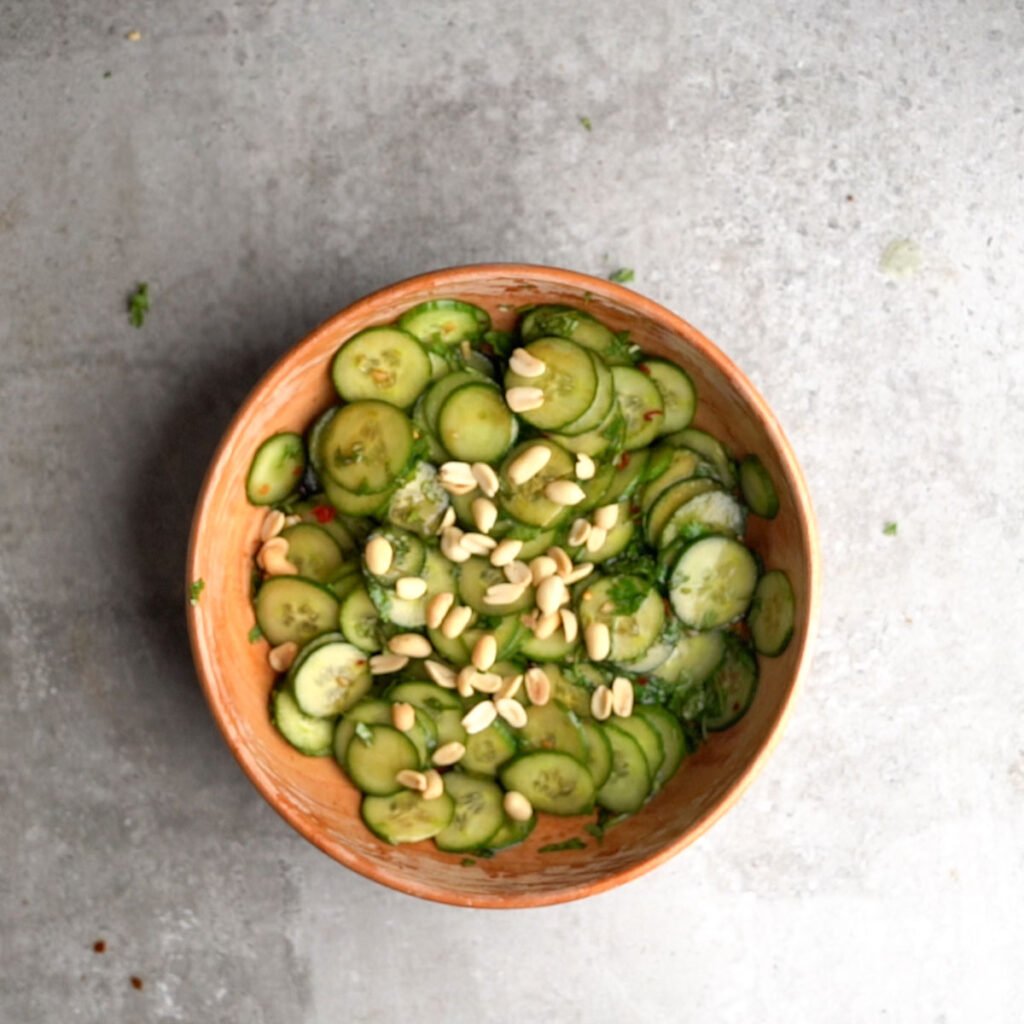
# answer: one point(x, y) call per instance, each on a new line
point(505, 576)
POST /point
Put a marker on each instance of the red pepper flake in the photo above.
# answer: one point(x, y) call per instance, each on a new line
point(644, 368)
point(136, 982)
point(298, 471)
point(641, 680)
point(487, 348)
point(323, 513)
point(99, 946)
point(667, 605)
point(624, 460)
point(651, 413)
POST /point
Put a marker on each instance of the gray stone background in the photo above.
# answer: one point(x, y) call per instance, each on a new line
point(832, 191)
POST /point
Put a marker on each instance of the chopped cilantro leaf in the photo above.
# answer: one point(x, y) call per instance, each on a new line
point(467, 862)
point(195, 588)
point(628, 593)
point(569, 844)
point(890, 529)
point(138, 305)
point(622, 276)
point(586, 122)
point(255, 635)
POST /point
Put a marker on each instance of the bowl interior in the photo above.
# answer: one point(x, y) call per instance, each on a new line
point(312, 794)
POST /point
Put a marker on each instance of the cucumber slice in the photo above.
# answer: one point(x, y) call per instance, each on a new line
point(511, 833)
point(732, 687)
point(449, 726)
point(411, 613)
point(313, 551)
point(676, 464)
point(757, 487)
point(314, 436)
point(629, 472)
point(434, 451)
point(629, 782)
point(330, 679)
point(318, 511)
point(568, 383)
point(677, 392)
point(367, 446)
point(476, 576)
point(648, 739)
point(359, 621)
point(553, 782)
point(710, 449)
point(642, 405)
point(427, 697)
point(276, 469)
point(772, 613)
point(673, 740)
point(549, 727)
point(373, 762)
point(711, 512)
point(409, 555)
point(489, 749)
point(406, 817)
point(507, 632)
point(601, 405)
point(602, 440)
point(692, 660)
point(599, 753)
point(712, 582)
point(578, 326)
point(310, 736)
point(478, 813)
point(295, 609)
point(595, 489)
point(535, 542)
point(420, 503)
point(551, 648)
point(526, 502)
point(617, 541)
point(351, 504)
point(439, 391)
point(630, 607)
point(445, 322)
point(669, 500)
point(569, 688)
point(657, 654)
point(381, 363)
point(369, 712)
point(475, 424)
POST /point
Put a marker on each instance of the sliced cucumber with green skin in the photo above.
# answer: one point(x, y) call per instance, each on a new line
point(673, 741)
point(577, 326)
point(526, 502)
point(310, 736)
point(648, 739)
point(757, 488)
point(313, 551)
point(475, 424)
point(411, 613)
point(360, 621)
point(554, 782)
point(369, 712)
point(677, 392)
point(290, 608)
point(445, 322)
point(511, 833)
point(657, 654)
point(693, 659)
point(475, 577)
point(595, 489)
point(568, 383)
point(629, 782)
point(478, 813)
point(642, 405)
point(507, 634)
point(434, 450)
point(367, 447)
point(330, 679)
point(668, 501)
point(373, 762)
point(710, 449)
point(618, 539)
point(599, 753)
point(314, 436)
point(772, 613)
point(489, 749)
point(732, 686)
point(420, 503)
point(549, 727)
point(630, 607)
point(409, 554)
point(677, 464)
point(601, 405)
point(567, 689)
point(629, 472)
point(406, 817)
point(437, 395)
point(276, 469)
point(712, 512)
point(351, 504)
point(382, 363)
point(318, 511)
point(449, 726)
point(601, 441)
point(712, 582)
point(535, 542)
point(551, 648)
point(427, 697)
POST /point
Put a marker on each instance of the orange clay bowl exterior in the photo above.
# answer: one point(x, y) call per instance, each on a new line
point(312, 794)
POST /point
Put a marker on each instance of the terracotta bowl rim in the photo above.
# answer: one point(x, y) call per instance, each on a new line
point(451, 278)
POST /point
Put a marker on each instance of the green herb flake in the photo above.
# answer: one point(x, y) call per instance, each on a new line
point(569, 844)
point(628, 593)
point(195, 588)
point(467, 862)
point(595, 830)
point(107, 74)
point(890, 529)
point(622, 276)
point(138, 305)
point(586, 122)
point(364, 733)
point(255, 635)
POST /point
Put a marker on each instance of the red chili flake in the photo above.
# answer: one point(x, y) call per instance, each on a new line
point(487, 348)
point(668, 606)
point(298, 471)
point(136, 981)
point(323, 513)
point(634, 509)
point(641, 680)
point(651, 413)
point(644, 368)
point(624, 460)
point(99, 946)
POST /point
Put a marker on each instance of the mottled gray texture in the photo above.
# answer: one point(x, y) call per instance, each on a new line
point(261, 164)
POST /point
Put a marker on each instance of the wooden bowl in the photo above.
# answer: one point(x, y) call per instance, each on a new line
point(312, 794)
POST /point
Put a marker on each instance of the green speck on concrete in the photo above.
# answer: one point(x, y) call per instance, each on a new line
point(901, 258)
point(890, 529)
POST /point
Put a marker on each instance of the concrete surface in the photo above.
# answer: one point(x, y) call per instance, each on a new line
point(261, 164)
